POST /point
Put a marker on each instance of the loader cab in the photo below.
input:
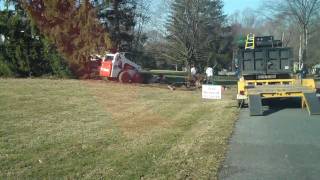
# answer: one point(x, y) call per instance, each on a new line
point(107, 65)
point(112, 65)
point(108, 57)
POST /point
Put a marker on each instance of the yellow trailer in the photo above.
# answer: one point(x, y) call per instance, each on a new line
point(254, 91)
point(266, 69)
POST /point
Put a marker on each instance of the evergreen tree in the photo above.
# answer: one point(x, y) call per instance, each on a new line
point(23, 50)
point(73, 27)
point(125, 21)
point(118, 17)
point(196, 33)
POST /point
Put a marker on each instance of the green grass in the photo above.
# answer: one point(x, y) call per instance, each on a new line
point(91, 129)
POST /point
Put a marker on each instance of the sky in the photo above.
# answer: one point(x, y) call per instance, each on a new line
point(231, 6)
point(159, 9)
point(1, 4)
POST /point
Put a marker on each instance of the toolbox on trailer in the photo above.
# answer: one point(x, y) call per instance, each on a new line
point(264, 61)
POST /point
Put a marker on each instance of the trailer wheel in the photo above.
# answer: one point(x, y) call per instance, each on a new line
point(125, 77)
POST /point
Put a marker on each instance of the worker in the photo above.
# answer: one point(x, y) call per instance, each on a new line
point(193, 71)
point(303, 71)
point(295, 68)
point(236, 67)
point(209, 74)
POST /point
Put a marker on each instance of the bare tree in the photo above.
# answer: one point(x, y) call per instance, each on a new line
point(141, 17)
point(248, 21)
point(301, 12)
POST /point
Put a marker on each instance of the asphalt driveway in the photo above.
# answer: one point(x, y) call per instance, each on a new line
point(284, 144)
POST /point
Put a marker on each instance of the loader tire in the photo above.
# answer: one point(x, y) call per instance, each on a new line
point(137, 78)
point(125, 77)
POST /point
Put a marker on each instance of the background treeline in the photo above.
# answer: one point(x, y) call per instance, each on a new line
point(56, 38)
point(296, 22)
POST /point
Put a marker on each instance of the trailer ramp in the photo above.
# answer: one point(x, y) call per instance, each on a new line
point(255, 105)
point(312, 102)
point(283, 90)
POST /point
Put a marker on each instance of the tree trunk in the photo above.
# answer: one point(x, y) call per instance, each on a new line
point(300, 53)
point(305, 45)
point(117, 24)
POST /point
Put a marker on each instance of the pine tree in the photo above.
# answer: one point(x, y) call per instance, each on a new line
point(22, 50)
point(118, 17)
point(73, 27)
point(125, 21)
point(195, 32)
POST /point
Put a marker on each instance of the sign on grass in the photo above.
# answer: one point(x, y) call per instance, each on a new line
point(211, 92)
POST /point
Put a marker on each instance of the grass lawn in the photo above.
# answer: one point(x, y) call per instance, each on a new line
point(91, 129)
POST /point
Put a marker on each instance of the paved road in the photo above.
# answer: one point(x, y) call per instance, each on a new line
point(285, 144)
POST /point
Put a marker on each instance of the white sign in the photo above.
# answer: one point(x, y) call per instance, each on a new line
point(211, 92)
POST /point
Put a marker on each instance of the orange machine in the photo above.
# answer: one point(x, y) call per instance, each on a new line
point(118, 67)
